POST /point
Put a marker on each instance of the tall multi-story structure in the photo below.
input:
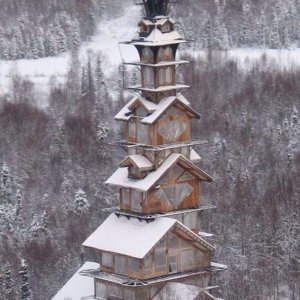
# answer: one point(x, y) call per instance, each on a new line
point(151, 247)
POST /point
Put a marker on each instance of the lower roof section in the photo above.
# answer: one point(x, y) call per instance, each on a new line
point(81, 286)
point(78, 287)
point(131, 282)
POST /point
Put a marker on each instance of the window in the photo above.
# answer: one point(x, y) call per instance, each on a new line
point(190, 220)
point(132, 129)
point(148, 77)
point(147, 55)
point(107, 260)
point(142, 134)
point(172, 241)
point(166, 28)
point(160, 257)
point(133, 265)
point(173, 264)
point(119, 264)
point(136, 200)
point(165, 54)
point(126, 196)
point(169, 75)
point(148, 264)
point(171, 129)
point(187, 258)
point(177, 193)
point(141, 112)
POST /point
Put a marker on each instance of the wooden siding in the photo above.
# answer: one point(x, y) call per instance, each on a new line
point(184, 251)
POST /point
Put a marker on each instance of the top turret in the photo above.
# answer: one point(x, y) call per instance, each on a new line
point(156, 8)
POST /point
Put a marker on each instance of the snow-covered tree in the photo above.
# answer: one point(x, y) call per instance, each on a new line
point(25, 288)
point(8, 283)
point(102, 131)
point(81, 203)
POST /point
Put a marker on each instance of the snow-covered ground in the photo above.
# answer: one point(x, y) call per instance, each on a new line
point(110, 32)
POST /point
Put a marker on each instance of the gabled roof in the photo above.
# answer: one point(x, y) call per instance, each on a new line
point(165, 104)
point(157, 38)
point(155, 110)
point(130, 237)
point(139, 161)
point(78, 287)
point(136, 238)
point(120, 177)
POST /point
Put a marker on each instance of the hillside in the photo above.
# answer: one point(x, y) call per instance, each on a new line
point(56, 148)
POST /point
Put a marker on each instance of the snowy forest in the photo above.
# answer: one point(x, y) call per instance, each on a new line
point(56, 155)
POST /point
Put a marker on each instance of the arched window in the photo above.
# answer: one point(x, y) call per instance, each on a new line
point(165, 76)
point(165, 54)
point(148, 77)
point(147, 55)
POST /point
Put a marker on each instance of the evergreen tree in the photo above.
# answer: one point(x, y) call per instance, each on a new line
point(5, 184)
point(25, 289)
point(8, 282)
point(81, 203)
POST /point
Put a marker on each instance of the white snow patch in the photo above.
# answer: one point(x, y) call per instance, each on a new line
point(78, 287)
point(247, 58)
point(131, 237)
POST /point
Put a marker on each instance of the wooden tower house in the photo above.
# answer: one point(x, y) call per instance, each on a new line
point(151, 247)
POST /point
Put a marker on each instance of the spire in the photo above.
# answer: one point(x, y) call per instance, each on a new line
point(155, 8)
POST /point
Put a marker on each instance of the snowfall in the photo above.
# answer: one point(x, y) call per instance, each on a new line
point(43, 72)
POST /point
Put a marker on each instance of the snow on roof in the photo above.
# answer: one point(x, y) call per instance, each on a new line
point(156, 109)
point(135, 237)
point(156, 36)
point(78, 286)
point(150, 106)
point(120, 177)
point(140, 161)
point(194, 156)
point(124, 113)
point(160, 88)
point(164, 104)
point(130, 237)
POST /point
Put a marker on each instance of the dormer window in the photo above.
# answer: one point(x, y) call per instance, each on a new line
point(141, 112)
point(166, 27)
point(143, 28)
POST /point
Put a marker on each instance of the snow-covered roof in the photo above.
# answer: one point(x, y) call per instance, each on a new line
point(135, 237)
point(140, 161)
point(120, 177)
point(158, 38)
point(155, 110)
point(166, 103)
point(164, 88)
point(159, 64)
point(78, 287)
point(130, 237)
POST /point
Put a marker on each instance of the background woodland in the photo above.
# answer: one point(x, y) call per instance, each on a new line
point(54, 160)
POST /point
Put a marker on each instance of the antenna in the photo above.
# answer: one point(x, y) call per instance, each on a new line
point(154, 8)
